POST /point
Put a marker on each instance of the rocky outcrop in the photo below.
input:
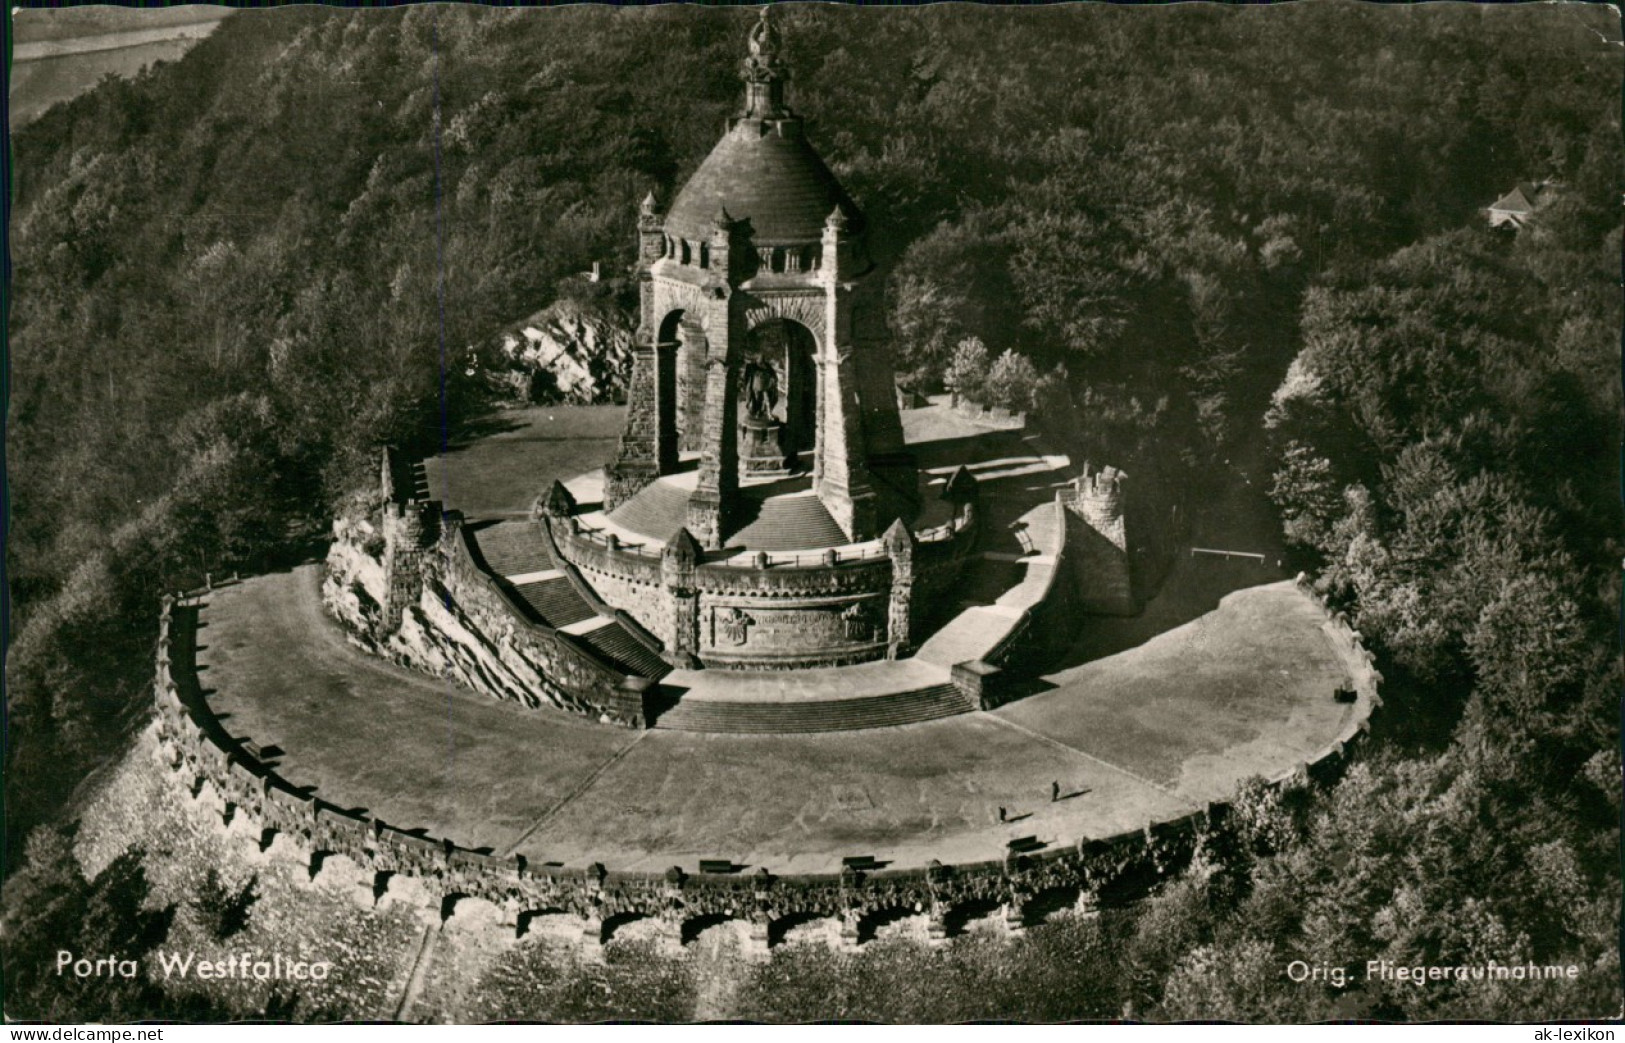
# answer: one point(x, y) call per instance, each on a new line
point(354, 587)
point(434, 635)
point(572, 351)
point(453, 621)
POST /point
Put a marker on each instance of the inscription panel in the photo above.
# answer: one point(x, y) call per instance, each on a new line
point(756, 629)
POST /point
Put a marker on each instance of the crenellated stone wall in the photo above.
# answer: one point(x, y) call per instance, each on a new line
point(448, 881)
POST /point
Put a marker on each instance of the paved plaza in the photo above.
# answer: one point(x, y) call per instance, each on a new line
point(1228, 673)
point(1141, 735)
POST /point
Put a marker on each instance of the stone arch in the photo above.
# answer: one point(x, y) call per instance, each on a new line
point(961, 916)
point(320, 858)
point(616, 922)
point(806, 308)
point(547, 920)
point(449, 903)
point(791, 347)
point(690, 929)
point(670, 331)
point(1050, 903)
point(874, 921)
point(779, 930)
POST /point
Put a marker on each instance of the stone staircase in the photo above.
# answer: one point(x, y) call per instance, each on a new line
point(787, 523)
point(555, 601)
point(616, 645)
point(824, 715)
point(517, 552)
point(418, 476)
point(511, 548)
point(657, 511)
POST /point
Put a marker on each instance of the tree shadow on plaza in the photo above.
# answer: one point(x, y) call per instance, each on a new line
point(970, 450)
point(464, 433)
point(1193, 588)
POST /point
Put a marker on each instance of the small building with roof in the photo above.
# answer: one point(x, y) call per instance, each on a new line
point(1515, 209)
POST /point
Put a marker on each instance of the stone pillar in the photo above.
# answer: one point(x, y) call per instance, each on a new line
point(671, 894)
point(637, 461)
point(651, 234)
point(818, 420)
point(1015, 908)
point(592, 927)
point(1099, 502)
point(691, 385)
point(840, 461)
point(403, 563)
point(718, 481)
point(849, 928)
point(717, 487)
point(646, 443)
point(677, 564)
point(758, 940)
point(386, 477)
point(1099, 545)
point(936, 928)
point(936, 878)
point(900, 543)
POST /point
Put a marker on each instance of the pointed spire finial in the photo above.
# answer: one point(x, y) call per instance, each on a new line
point(724, 220)
point(836, 219)
point(764, 37)
point(649, 204)
point(682, 546)
point(764, 72)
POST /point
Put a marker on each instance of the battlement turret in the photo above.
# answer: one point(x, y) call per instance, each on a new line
point(1097, 498)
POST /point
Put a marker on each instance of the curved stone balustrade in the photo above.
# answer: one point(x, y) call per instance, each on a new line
point(397, 862)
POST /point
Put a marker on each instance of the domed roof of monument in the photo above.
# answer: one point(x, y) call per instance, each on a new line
point(777, 183)
point(763, 170)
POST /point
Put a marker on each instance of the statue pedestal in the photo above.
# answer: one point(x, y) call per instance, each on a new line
point(760, 448)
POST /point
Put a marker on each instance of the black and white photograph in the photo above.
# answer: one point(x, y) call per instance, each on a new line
point(809, 512)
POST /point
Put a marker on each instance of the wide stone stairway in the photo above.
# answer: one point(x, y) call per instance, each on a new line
point(771, 520)
point(511, 549)
point(516, 552)
point(554, 600)
point(785, 523)
point(657, 511)
point(824, 715)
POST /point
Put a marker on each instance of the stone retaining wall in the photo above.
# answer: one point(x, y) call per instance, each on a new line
point(750, 611)
point(425, 602)
point(572, 674)
point(395, 862)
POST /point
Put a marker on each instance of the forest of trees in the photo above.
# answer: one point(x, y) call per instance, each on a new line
point(1172, 232)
